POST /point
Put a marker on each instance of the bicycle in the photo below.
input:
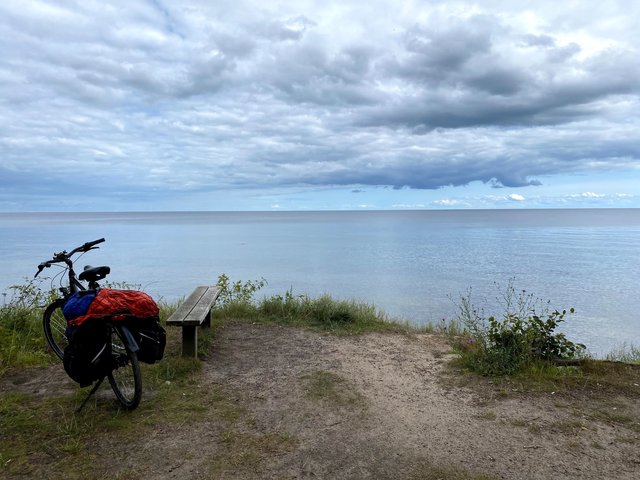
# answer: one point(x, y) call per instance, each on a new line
point(123, 369)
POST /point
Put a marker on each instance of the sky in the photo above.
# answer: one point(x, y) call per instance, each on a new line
point(318, 105)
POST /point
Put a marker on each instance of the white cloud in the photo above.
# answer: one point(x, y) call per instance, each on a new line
point(516, 197)
point(450, 203)
point(408, 206)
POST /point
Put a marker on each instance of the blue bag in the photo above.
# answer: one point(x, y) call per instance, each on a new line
point(78, 304)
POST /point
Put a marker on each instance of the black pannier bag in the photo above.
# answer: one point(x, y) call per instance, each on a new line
point(87, 358)
point(150, 337)
point(137, 311)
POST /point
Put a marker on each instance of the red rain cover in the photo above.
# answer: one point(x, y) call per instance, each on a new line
point(127, 302)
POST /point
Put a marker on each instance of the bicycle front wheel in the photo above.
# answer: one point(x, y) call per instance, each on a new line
point(125, 378)
point(55, 325)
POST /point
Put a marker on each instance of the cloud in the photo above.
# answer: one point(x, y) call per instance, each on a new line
point(282, 30)
point(516, 197)
point(148, 99)
point(591, 195)
point(408, 206)
point(450, 203)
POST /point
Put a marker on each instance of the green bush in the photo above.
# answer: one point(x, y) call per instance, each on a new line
point(521, 336)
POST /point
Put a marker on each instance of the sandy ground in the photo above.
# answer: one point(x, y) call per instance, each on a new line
point(411, 411)
point(399, 411)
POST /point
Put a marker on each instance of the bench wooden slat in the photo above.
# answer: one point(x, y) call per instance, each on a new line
point(194, 309)
point(185, 307)
point(202, 309)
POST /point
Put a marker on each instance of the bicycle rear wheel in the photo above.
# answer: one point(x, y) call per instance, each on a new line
point(125, 378)
point(55, 325)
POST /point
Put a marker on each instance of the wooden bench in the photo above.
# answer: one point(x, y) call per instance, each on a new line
point(194, 312)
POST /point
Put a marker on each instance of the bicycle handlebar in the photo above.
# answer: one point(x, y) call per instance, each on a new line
point(86, 247)
point(64, 256)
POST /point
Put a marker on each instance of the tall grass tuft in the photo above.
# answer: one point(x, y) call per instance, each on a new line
point(325, 313)
point(626, 353)
point(21, 337)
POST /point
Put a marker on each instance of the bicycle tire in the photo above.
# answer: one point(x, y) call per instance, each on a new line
point(55, 325)
point(125, 378)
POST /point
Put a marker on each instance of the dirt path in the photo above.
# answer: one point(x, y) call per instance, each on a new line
point(395, 411)
point(376, 406)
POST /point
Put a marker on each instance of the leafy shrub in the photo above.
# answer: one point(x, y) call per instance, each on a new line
point(238, 292)
point(523, 335)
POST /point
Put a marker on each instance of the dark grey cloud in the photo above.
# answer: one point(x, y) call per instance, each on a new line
point(434, 51)
point(201, 97)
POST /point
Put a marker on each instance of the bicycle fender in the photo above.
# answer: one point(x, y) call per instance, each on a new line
point(126, 334)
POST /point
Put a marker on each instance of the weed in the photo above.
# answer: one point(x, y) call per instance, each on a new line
point(522, 336)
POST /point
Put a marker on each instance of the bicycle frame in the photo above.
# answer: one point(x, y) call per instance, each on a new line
point(74, 284)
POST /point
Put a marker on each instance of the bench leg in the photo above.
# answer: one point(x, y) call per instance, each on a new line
point(207, 320)
point(189, 341)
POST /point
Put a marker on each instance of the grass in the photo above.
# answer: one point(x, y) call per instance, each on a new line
point(430, 471)
point(243, 453)
point(39, 433)
point(625, 353)
point(487, 415)
point(331, 389)
point(589, 377)
point(21, 338)
point(341, 317)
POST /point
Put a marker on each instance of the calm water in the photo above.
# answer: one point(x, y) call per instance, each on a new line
point(407, 263)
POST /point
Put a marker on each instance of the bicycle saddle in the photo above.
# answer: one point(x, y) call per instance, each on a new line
point(93, 274)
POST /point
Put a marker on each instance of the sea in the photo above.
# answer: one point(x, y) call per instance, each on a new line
point(413, 265)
